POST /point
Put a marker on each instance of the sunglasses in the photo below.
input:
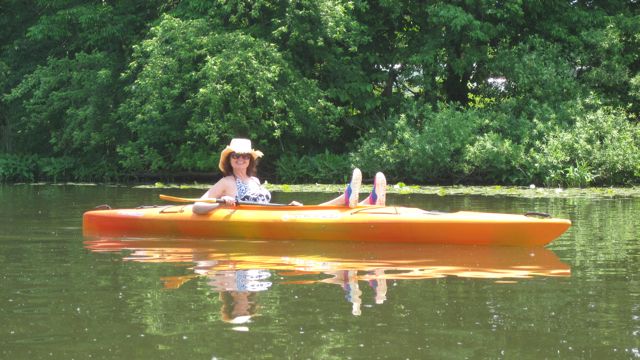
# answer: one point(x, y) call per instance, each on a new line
point(236, 156)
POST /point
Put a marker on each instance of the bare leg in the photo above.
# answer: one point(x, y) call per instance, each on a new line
point(351, 194)
point(378, 195)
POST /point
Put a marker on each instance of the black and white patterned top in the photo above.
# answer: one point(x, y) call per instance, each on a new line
point(252, 191)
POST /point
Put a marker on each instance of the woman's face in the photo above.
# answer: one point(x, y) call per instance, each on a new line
point(240, 161)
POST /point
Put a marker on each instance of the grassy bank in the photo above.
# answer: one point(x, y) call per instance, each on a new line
point(531, 191)
point(496, 190)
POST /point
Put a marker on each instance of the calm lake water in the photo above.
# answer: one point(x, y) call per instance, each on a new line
point(66, 297)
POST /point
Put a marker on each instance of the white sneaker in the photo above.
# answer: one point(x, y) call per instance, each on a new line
point(378, 194)
point(352, 192)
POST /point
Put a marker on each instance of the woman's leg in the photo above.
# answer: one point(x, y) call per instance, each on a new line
point(378, 194)
point(351, 194)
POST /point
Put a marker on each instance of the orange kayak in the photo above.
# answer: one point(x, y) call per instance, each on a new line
point(326, 223)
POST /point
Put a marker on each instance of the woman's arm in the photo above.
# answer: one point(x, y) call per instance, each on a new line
point(224, 189)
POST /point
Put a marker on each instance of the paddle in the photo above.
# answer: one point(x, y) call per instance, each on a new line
point(212, 201)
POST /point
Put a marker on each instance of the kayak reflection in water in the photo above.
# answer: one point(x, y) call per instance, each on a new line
point(238, 163)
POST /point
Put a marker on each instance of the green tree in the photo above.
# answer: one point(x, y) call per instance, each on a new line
point(69, 102)
point(16, 17)
point(322, 40)
point(191, 82)
point(480, 87)
point(63, 62)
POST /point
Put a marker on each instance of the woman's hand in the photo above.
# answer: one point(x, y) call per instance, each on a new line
point(229, 200)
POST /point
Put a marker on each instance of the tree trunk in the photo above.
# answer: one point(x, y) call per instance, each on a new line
point(455, 86)
point(5, 137)
point(391, 80)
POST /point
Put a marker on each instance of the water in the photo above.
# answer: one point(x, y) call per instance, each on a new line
point(66, 297)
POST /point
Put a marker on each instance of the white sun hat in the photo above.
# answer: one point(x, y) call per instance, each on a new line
point(240, 146)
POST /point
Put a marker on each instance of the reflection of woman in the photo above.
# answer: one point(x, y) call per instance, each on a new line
point(348, 280)
point(239, 280)
point(353, 294)
point(237, 306)
point(238, 291)
point(379, 285)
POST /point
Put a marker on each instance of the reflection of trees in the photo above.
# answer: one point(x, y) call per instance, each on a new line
point(603, 230)
point(436, 313)
point(580, 311)
point(593, 311)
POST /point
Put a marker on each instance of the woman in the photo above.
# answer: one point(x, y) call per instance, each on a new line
point(238, 162)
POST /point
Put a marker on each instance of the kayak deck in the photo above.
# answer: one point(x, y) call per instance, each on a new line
point(327, 223)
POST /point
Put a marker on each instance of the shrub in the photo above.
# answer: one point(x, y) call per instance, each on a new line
point(421, 146)
point(55, 169)
point(323, 168)
point(30, 168)
point(493, 158)
point(602, 148)
point(15, 168)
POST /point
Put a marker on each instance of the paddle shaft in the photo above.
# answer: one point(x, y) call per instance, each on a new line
point(212, 201)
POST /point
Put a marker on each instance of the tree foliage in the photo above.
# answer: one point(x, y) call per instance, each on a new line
point(194, 83)
point(439, 91)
